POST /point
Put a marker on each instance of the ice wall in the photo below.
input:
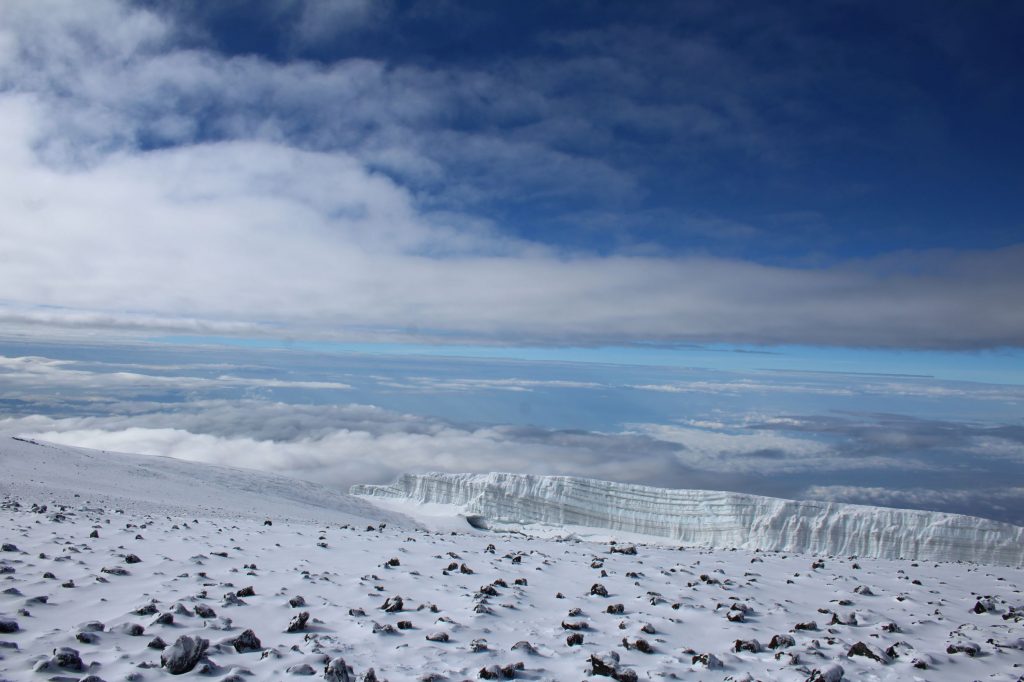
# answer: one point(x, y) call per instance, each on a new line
point(716, 519)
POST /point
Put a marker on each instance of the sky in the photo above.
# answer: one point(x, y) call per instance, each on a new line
point(638, 241)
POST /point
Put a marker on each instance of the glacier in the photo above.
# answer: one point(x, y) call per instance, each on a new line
point(713, 518)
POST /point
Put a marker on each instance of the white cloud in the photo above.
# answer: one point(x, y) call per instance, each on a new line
point(143, 184)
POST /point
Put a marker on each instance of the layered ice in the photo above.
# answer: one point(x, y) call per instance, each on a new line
point(714, 519)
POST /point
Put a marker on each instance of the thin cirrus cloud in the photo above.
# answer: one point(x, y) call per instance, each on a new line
point(128, 158)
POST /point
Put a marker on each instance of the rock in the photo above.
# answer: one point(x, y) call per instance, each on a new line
point(300, 669)
point(616, 609)
point(624, 549)
point(8, 547)
point(182, 656)
point(606, 664)
point(131, 629)
point(574, 625)
point(337, 671)
point(709, 661)
point(491, 672)
point(640, 644)
point(478, 645)
point(404, 625)
point(523, 645)
point(67, 658)
point(132, 559)
point(147, 610)
point(439, 636)
point(204, 611)
point(751, 645)
point(393, 605)
point(114, 570)
point(88, 637)
point(8, 625)
point(298, 623)
point(157, 643)
point(247, 641)
point(827, 673)
point(781, 642)
point(246, 592)
point(809, 625)
point(599, 590)
point(385, 629)
point(164, 619)
point(862, 649)
point(969, 648)
point(298, 601)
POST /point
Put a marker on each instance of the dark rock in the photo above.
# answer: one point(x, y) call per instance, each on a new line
point(574, 625)
point(478, 645)
point(439, 636)
point(862, 649)
point(969, 648)
point(781, 642)
point(8, 626)
point(809, 625)
point(523, 645)
point(599, 590)
point(385, 629)
point(640, 644)
point(88, 637)
point(132, 559)
point(616, 609)
point(147, 610)
point(157, 643)
point(709, 661)
point(298, 623)
point(246, 592)
point(67, 658)
point(404, 625)
point(338, 671)
point(751, 645)
point(828, 673)
point(8, 547)
point(296, 602)
point(164, 619)
point(393, 604)
point(204, 611)
point(182, 656)
point(247, 641)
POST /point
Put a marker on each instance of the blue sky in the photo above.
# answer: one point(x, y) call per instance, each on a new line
point(736, 207)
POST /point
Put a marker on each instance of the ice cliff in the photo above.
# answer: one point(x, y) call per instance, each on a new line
point(715, 519)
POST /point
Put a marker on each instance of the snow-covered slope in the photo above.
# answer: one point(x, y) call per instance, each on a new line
point(144, 483)
point(715, 519)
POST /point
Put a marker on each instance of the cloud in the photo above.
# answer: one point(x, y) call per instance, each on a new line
point(335, 200)
point(26, 375)
point(995, 502)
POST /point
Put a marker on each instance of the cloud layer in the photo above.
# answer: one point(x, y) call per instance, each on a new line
point(151, 184)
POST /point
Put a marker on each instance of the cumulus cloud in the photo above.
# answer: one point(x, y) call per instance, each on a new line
point(128, 158)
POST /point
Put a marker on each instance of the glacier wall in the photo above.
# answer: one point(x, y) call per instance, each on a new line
point(715, 519)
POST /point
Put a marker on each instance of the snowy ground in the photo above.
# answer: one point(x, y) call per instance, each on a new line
point(201, 541)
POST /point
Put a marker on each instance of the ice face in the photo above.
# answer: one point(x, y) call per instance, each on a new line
point(715, 519)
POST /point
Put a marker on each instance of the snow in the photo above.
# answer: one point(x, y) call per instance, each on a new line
point(713, 519)
point(200, 536)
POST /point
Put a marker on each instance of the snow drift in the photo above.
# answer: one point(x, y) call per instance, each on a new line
point(714, 519)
